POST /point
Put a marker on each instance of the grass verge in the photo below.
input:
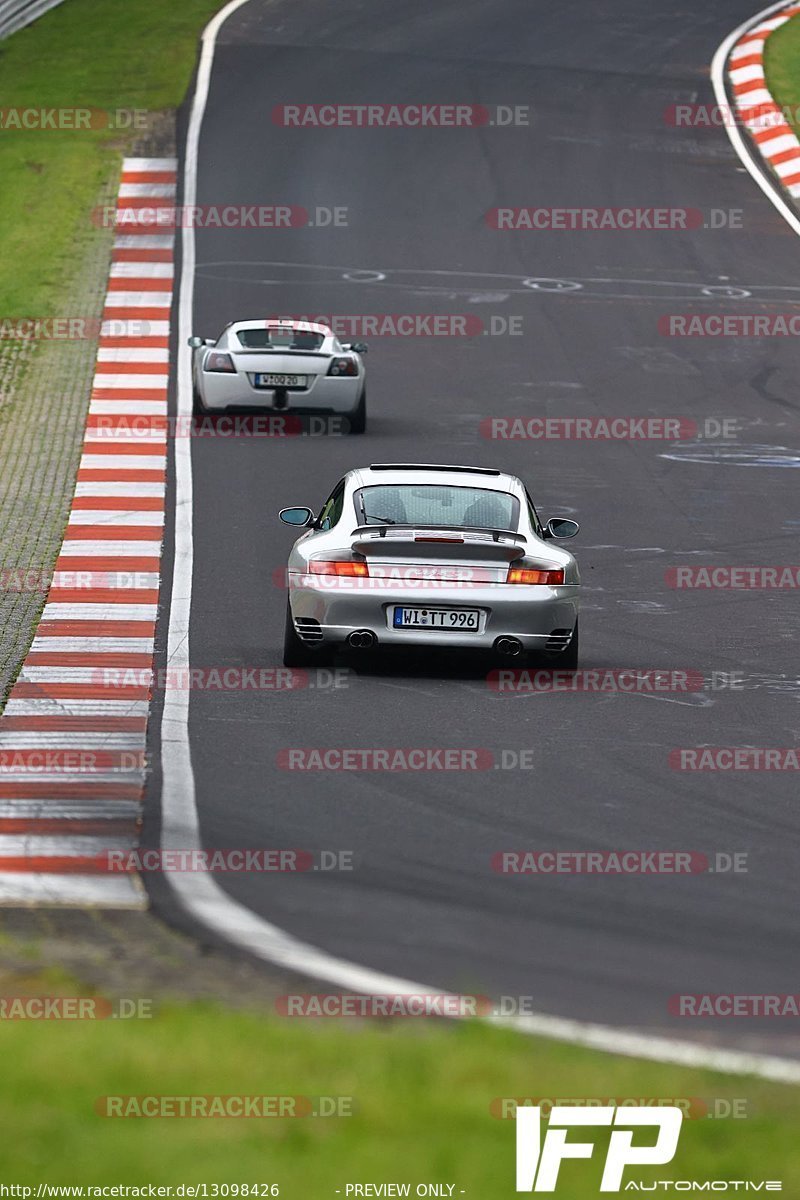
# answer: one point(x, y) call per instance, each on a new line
point(421, 1096)
point(134, 59)
point(782, 69)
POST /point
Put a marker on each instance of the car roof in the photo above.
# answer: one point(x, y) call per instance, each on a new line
point(433, 473)
point(274, 323)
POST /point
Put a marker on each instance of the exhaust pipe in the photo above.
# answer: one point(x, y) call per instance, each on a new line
point(361, 639)
point(509, 647)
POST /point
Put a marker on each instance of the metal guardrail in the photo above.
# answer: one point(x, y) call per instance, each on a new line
point(16, 14)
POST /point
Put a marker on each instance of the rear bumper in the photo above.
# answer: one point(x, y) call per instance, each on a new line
point(326, 394)
point(328, 613)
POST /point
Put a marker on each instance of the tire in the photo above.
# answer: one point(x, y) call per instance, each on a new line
point(198, 408)
point(358, 418)
point(295, 652)
point(567, 660)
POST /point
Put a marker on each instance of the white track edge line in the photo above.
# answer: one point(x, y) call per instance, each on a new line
point(202, 897)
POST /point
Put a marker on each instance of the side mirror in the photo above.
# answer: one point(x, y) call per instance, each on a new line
point(196, 342)
point(561, 527)
point(359, 347)
point(296, 516)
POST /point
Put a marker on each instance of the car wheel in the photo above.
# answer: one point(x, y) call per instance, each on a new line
point(567, 660)
point(358, 418)
point(198, 408)
point(295, 652)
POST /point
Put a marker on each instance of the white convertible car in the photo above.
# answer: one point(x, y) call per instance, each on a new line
point(410, 554)
point(284, 366)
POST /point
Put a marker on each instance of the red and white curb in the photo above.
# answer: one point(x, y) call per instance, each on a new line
point(774, 138)
point(72, 743)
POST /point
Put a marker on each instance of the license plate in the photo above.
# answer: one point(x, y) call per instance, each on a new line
point(437, 618)
point(271, 381)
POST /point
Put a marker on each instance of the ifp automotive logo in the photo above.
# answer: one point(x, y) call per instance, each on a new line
point(539, 1160)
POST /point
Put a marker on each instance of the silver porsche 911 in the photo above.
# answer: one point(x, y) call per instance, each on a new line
point(411, 554)
point(282, 365)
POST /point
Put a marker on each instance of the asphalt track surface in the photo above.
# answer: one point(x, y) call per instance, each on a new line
point(423, 902)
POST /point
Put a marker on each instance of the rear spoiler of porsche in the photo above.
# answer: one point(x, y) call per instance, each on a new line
point(463, 542)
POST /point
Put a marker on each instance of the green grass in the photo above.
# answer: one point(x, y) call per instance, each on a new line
point(421, 1094)
point(782, 68)
point(101, 54)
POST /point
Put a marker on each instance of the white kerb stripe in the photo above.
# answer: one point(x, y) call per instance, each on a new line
point(120, 517)
point(106, 579)
point(45, 706)
point(133, 354)
point(134, 327)
point(157, 408)
point(92, 645)
point(747, 74)
point(105, 676)
point(52, 739)
point(142, 270)
point(100, 612)
point(144, 241)
point(130, 191)
point(14, 845)
point(72, 890)
point(777, 145)
point(130, 165)
point(137, 300)
point(125, 381)
point(110, 549)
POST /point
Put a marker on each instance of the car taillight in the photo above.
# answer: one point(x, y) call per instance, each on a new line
point(355, 570)
point(343, 366)
point(217, 361)
point(535, 575)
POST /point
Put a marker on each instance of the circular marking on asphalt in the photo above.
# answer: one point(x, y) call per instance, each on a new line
point(363, 276)
point(552, 285)
point(732, 293)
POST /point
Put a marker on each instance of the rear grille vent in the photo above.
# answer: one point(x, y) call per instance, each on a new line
point(308, 629)
point(559, 639)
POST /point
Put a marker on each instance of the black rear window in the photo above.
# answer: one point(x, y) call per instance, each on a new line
point(280, 339)
point(437, 504)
